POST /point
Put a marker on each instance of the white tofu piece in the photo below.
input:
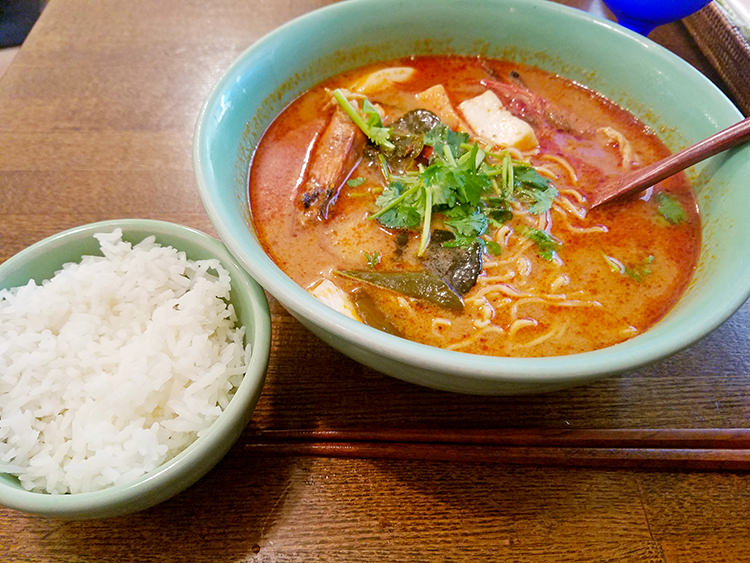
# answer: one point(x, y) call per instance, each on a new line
point(336, 298)
point(436, 100)
point(489, 119)
point(382, 79)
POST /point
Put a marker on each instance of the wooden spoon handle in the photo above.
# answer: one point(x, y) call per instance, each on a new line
point(658, 171)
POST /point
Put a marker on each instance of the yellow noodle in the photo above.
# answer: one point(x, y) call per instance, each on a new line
point(518, 324)
point(476, 336)
point(565, 165)
point(583, 230)
point(487, 280)
point(559, 281)
point(502, 234)
point(486, 312)
point(564, 205)
point(544, 171)
point(477, 302)
point(524, 245)
point(562, 300)
point(572, 193)
point(502, 288)
point(543, 221)
point(553, 332)
point(587, 230)
point(524, 265)
point(622, 143)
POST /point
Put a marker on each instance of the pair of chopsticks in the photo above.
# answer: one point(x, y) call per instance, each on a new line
point(677, 449)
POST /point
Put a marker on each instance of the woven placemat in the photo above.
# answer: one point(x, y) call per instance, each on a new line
point(726, 48)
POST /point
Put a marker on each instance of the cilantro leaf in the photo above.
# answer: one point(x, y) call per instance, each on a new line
point(399, 208)
point(492, 246)
point(466, 223)
point(371, 125)
point(441, 137)
point(497, 210)
point(670, 208)
point(528, 184)
point(546, 244)
point(529, 177)
point(636, 273)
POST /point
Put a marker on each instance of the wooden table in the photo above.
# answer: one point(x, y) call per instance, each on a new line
point(96, 122)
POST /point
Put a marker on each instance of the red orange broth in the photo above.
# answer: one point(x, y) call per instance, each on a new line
point(636, 235)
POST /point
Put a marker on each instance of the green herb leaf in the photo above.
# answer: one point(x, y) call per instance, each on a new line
point(373, 259)
point(670, 208)
point(636, 273)
point(546, 244)
point(421, 285)
point(370, 125)
point(399, 207)
point(529, 185)
point(442, 136)
point(466, 223)
point(355, 182)
point(492, 246)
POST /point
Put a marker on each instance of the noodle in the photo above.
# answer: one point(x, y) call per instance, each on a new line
point(622, 145)
point(476, 336)
point(554, 332)
point(563, 162)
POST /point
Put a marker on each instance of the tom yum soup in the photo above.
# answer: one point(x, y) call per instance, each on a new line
point(443, 199)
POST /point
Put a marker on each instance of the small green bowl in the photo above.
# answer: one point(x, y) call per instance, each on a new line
point(657, 86)
point(40, 261)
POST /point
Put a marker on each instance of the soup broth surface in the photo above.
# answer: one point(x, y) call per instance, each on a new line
point(557, 281)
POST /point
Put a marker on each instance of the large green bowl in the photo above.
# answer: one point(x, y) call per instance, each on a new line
point(663, 90)
point(40, 261)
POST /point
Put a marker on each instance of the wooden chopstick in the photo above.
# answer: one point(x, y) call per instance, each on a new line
point(694, 449)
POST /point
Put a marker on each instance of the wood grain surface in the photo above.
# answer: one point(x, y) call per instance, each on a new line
point(341, 463)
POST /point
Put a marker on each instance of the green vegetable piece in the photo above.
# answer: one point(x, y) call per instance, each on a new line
point(398, 210)
point(407, 133)
point(373, 259)
point(458, 267)
point(370, 124)
point(669, 208)
point(637, 273)
point(532, 186)
point(421, 285)
point(546, 244)
point(355, 182)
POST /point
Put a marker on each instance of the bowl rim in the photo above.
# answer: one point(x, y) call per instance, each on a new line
point(196, 459)
point(474, 370)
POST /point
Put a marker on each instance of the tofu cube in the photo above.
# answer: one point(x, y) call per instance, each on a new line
point(336, 298)
point(489, 119)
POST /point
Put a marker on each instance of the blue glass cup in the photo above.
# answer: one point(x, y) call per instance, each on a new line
point(644, 15)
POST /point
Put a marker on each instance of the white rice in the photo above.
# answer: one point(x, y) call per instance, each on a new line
point(114, 365)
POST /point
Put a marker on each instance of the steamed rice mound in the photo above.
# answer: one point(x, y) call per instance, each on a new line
point(114, 365)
